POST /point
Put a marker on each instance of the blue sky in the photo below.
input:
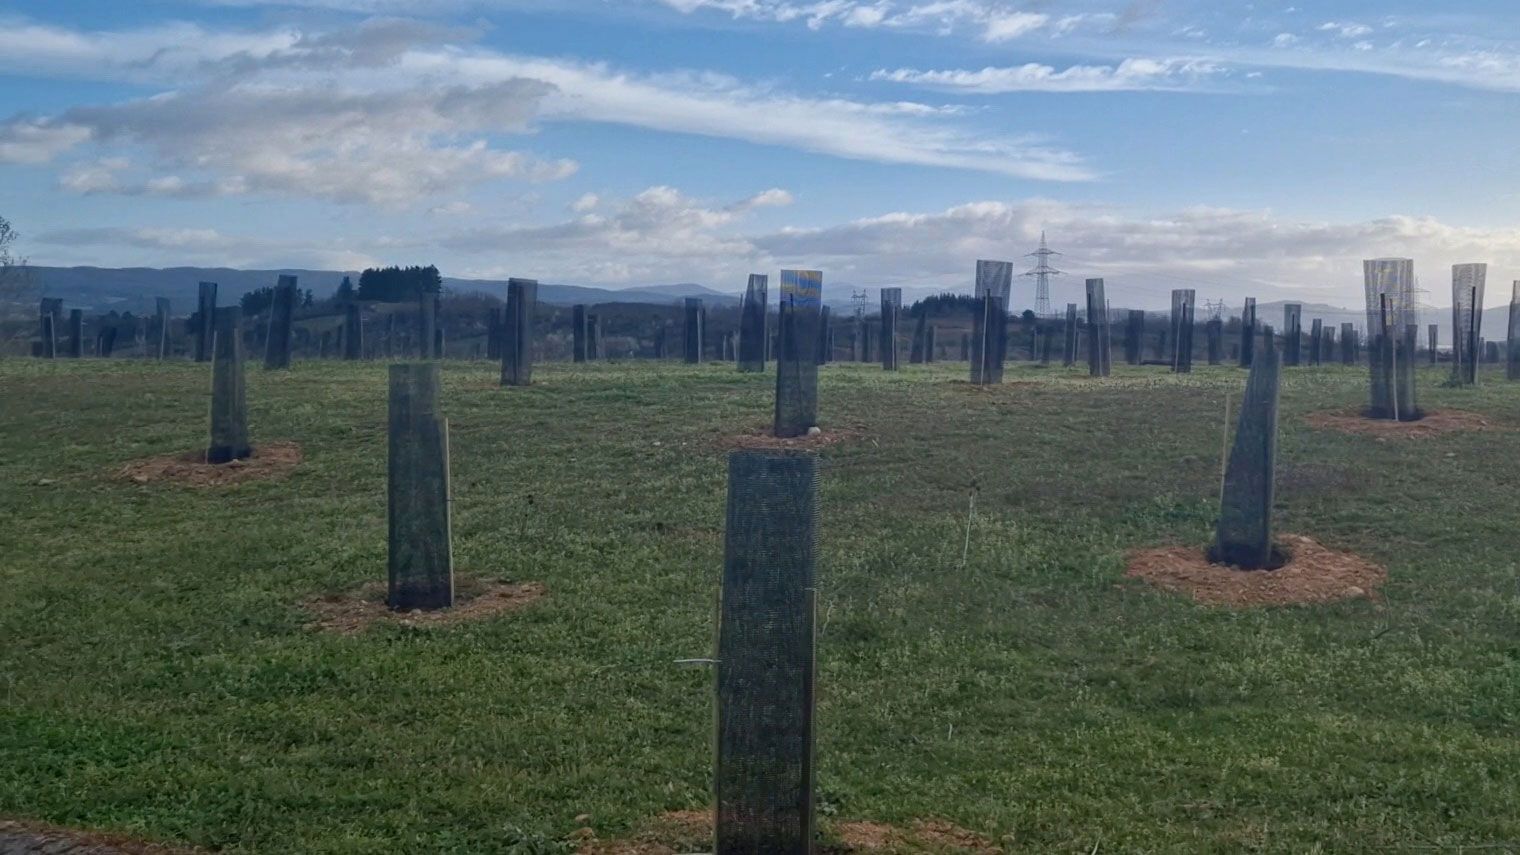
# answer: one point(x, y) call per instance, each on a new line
point(1237, 148)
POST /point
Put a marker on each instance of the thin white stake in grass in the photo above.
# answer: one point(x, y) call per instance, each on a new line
point(1224, 447)
point(970, 516)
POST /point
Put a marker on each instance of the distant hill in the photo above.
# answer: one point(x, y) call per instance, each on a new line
point(101, 289)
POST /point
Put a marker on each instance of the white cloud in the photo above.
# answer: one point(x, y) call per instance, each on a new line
point(994, 21)
point(719, 106)
point(660, 232)
point(27, 140)
point(206, 246)
point(390, 113)
point(1175, 74)
point(1007, 26)
point(1224, 253)
point(1346, 29)
point(381, 146)
point(665, 235)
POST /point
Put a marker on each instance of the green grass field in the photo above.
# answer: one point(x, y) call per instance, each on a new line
point(157, 678)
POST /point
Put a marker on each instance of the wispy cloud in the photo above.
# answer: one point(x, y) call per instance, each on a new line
point(387, 113)
point(993, 21)
point(1174, 75)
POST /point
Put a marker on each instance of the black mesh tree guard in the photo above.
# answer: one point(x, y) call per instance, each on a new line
point(1349, 345)
point(1433, 336)
point(160, 333)
point(1247, 332)
point(76, 333)
point(891, 307)
point(1391, 315)
point(823, 347)
point(281, 319)
point(692, 332)
point(989, 341)
point(1243, 537)
point(1069, 353)
point(1512, 343)
point(929, 344)
point(763, 776)
point(920, 333)
point(578, 349)
point(1184, 307)
point(753, 325)
point(1467, 281)
point(1134, 336)
point(420, 568)
point(1293, 333)
point(517, 344)
point(799, 327)
point(229, 395)
point(593, 337)
point(427, 325)
point(1213, 331)
point(1316, 341)
point(995, 278)
point(205, 318)
point(353, 331)
point(1098, 346)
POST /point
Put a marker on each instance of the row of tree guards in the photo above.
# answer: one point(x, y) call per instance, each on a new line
point(1390, 307)
point(764, 663)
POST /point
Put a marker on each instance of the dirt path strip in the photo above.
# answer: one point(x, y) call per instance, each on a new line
point(35, 838)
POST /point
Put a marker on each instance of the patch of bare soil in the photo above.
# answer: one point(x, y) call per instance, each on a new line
point(474, 599)
point(692, 831)
point(26, 837)
point(761, 439)
point(922, 836)
point(1312, 574)
point(1435, 423)
point(270, 460)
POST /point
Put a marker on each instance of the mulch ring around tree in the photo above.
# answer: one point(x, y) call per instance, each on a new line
point(691, 831)
point(1312, 574)
point(270, 460)
point(762, 438)
point(17, 836)
point(1434, 423)
point(474, 599)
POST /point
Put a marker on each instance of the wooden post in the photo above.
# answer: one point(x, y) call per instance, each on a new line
point(229, 403)
point(421, 572)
